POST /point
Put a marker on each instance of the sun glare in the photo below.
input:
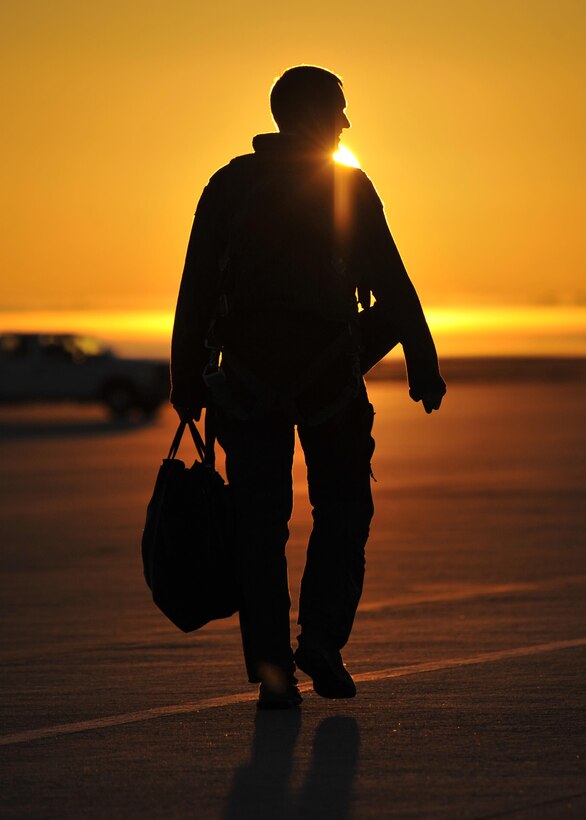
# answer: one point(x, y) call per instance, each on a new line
point(345, 156)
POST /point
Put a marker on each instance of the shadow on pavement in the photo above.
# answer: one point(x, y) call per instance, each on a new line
point(261, 788)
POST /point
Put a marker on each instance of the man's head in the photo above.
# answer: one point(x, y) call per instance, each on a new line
point(309, 101)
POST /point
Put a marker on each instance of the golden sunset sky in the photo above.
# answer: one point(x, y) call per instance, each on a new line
point(468, 115)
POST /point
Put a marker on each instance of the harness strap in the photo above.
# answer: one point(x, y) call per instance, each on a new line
point(266, 397)
point(344, 342)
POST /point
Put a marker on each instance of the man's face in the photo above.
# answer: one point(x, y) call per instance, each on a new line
point(324, 124)
point(342, 122)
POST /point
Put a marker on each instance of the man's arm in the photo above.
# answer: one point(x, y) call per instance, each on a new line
point(397, 315)
point(198, 295)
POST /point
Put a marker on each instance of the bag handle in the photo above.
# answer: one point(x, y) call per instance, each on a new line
point(197, 440)
point(205, 450)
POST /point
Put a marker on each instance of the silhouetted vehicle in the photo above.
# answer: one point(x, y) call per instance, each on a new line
point(66, 367)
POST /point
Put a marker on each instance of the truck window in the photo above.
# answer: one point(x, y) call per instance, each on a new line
point(55, 347)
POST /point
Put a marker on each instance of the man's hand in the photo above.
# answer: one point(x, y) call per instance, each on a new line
point(431, 399)
point(187, 414)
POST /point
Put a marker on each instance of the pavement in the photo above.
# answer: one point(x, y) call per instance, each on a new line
point(469, 649)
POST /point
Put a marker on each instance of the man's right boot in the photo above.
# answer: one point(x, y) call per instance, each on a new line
point(326, 668)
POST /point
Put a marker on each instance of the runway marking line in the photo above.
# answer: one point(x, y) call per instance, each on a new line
point(469, 592)
point(244, 697)
point(441, 595)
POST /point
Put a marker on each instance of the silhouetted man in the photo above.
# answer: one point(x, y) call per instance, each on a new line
point(284, 240)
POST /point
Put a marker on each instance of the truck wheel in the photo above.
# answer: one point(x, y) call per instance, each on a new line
point(149, 409)
point(120, 399)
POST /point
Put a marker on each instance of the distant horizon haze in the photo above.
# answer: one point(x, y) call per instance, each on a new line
point(459, 332)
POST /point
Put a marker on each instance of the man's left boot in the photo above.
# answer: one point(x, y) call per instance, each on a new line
point(278, 690)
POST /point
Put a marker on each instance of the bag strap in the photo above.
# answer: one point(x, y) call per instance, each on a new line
point(210, 438)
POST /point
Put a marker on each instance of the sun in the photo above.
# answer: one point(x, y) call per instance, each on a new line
point(345, 156)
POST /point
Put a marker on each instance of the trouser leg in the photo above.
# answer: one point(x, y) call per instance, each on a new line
point(337, 454)
point(259, 460)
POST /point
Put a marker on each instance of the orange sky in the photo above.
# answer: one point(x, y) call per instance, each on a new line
point(468, 115)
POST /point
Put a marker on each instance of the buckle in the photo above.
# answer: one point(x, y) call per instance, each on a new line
point(213, 375)
point(210, 343)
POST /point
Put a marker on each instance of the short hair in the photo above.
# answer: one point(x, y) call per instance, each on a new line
point(301, 90)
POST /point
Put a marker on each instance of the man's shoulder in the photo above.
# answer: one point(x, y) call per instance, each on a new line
point(357, 179)
point(364, 183)
point(366, 191)
point(225, 183)
point(237, 168)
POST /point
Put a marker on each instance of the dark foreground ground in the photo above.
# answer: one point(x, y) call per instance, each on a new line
point(469, 650)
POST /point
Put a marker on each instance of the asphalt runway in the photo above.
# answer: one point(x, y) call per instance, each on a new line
point(469, 649)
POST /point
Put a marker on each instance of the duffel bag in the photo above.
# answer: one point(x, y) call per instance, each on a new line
point(188, 537)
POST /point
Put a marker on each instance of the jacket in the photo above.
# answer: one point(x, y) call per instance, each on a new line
point(331, 220)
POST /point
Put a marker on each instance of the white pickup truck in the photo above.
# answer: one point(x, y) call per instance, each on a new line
point(55, 367)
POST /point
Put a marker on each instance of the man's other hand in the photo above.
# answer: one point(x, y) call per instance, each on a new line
point(187, 414)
